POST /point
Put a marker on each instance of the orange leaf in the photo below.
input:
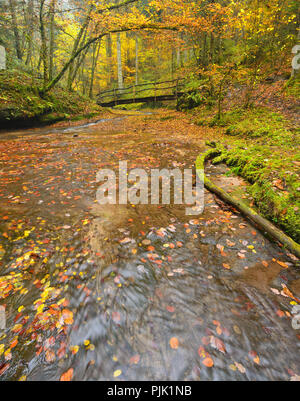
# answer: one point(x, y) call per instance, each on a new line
point(280, 313)
point(67, 376)
point(174, 343)
point(50, 356)
point(14, 343)
point(208, 362)
point(282, 264)
point(219, 330)
point(67, 316)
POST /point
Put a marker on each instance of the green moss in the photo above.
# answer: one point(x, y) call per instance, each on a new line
point(292, 87)
point(132, 106)
point(269, 159)
point(20, 101)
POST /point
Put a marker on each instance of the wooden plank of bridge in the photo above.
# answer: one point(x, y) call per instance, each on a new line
point(116, 99)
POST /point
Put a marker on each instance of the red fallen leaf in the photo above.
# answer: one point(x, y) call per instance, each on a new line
point(67, 376)
point(3, 368)
point(116, 317)
point(134, 360)
point(151, 248)
point(170, 309)
point(17, 317)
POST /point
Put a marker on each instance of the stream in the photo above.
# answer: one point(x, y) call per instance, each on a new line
point(125, 292)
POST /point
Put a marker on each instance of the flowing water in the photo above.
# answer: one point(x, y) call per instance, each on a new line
point(132, 292)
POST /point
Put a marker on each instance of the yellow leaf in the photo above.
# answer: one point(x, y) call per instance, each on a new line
point(117, 373)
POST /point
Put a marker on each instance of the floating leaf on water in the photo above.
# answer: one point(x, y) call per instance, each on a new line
point(208, 362)
point(67, 376)
point(117, 373)
point(174, 343)
point(134, 360)
point(240, 367)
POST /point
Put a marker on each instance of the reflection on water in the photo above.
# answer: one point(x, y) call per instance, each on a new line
point(132, 293)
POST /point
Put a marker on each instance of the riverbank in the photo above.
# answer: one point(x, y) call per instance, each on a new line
point(262, 146)
point(22, 106)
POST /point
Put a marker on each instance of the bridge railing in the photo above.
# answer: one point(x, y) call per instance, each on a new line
point(133, 92)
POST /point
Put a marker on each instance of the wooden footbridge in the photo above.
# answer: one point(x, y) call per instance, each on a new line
point(142, 93)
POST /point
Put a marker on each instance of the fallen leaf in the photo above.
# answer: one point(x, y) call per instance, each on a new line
point(134, 360)
point(208, 362)
point(67, 376)
point(117, 373)
point(174, 343)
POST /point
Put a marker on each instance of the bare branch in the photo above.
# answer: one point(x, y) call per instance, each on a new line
point(116, 6)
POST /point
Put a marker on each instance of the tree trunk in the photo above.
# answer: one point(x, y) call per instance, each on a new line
point(109, 59)
point(76, 44)
point(96, 52)
point(212, 48)
point(44, 48)
point(52, 39)
point(178, 58)
point(204, 59)
point(119, 62)
point(136, 59)
point(77, 64)
point(296, 49)
point(12, 9)
point(30, 27)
